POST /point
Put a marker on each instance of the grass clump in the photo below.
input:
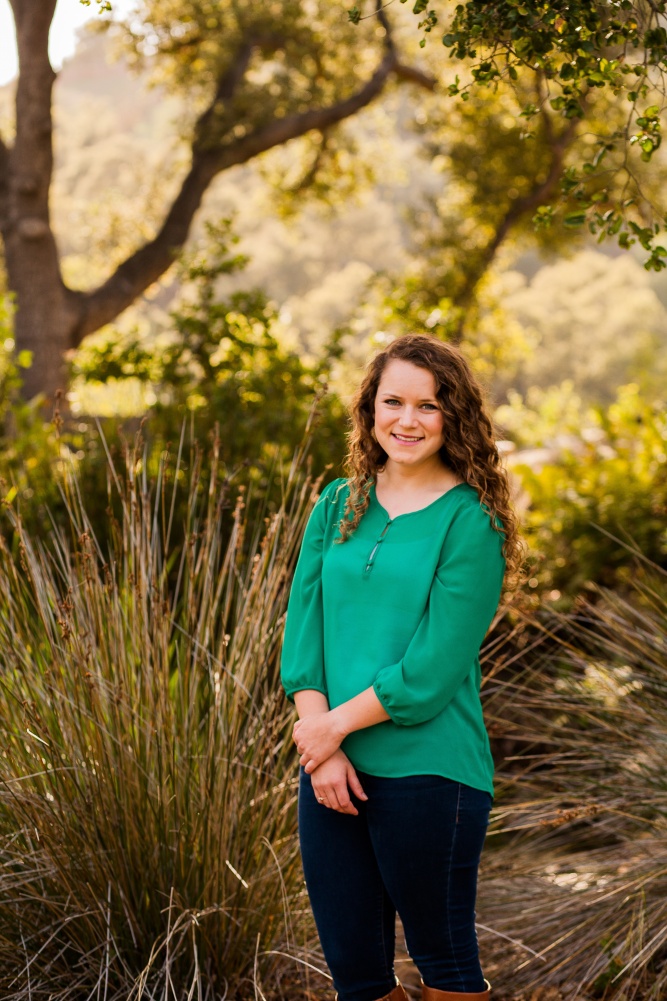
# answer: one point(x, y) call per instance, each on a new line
point(147, 831)
point(576, 872)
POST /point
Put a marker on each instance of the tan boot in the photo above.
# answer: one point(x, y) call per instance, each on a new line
point(398, 994)
point(431, 994)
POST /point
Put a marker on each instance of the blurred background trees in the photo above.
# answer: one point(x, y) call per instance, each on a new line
point(548, 86)
point(449, 197)
point(254, 79)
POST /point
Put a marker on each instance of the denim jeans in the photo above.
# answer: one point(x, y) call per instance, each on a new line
point(414, 849)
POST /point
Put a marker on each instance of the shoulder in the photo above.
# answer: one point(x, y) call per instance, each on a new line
point(334, 492)
point(331, 502)
point(472, 519)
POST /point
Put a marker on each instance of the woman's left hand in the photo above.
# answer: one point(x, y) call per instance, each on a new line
point(316, 737)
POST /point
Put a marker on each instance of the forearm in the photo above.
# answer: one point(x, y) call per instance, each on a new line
point(362, 711)
point(319, 734)
point(309, 702)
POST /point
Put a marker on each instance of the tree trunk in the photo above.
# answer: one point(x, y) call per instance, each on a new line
point(52, 319)
point(44, 313)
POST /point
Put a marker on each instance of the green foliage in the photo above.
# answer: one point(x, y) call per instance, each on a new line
point(487, 175)
point(147, 830)
point(599, 493)
point(508, 186)
point(221, 367)
point(558, 58)
point(219, 373)
point(30, 453)
point(250, 66)
point(576, 46)
point(303, 55)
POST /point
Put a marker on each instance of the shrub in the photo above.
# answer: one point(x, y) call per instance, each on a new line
point(147, 830)
point(221, 366)
point(604, 491)
point(29, 446)
point(575, 873)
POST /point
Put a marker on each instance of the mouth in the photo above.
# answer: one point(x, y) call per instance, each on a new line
point(406, 439)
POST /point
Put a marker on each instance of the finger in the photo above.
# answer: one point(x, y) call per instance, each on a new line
point(340, 791)
point(333, 801)
point(355, 784)
point(309, 764)
point(344, 801)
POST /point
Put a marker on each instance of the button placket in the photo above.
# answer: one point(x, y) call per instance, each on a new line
point(371, 556)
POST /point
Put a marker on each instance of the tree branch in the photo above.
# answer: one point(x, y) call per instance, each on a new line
point(152, 260)
point(413, 75)
point(540, 192)
point(384, 21)
point(519, 207)
point(4, 185)
point(230, 80)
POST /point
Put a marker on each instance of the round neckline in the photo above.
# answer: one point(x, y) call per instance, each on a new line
point(418, 510)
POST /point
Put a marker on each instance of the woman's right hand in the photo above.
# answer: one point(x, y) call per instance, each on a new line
point(333, 781)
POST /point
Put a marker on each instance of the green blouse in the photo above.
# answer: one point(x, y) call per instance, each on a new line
point(403, 606)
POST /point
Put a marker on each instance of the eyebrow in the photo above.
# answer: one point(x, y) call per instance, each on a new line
point(397, 396)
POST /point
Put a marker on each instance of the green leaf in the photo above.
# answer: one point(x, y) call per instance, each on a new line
point(601, 153)
point(574, 219)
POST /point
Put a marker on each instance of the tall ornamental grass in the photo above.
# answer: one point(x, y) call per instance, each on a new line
point(576, 872)
point(147, 829)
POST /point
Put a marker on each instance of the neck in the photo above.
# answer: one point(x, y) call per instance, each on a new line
point(400, 476)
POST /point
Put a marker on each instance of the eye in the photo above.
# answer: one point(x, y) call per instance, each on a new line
point(429, 406)
point(392, 402)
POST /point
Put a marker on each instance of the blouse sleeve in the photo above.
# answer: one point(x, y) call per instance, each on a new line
point(302, 660)
point(462, 602)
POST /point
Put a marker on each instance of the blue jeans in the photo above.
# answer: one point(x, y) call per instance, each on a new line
point(414, 849)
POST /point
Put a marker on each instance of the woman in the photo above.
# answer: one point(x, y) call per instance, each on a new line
point(399, 577)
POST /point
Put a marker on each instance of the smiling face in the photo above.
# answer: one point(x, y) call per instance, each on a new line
point(408, 418)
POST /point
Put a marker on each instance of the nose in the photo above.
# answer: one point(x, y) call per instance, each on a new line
point(408, 417)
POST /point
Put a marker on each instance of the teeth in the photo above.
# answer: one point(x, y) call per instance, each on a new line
point(402, 437)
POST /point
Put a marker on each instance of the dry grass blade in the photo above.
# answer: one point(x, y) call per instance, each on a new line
point(578, 863)
point(146, 796)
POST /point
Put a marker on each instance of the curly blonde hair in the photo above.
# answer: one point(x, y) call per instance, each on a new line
point(469, 446)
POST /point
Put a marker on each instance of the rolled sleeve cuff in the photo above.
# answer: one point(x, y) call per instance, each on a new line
point(291, 692)
point(395, 715)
